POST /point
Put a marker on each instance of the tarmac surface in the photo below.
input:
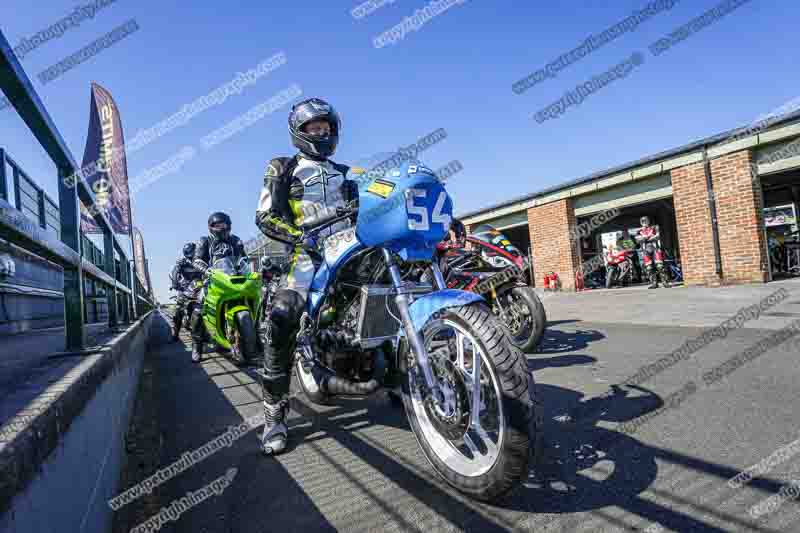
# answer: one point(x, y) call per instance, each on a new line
point(355, 466)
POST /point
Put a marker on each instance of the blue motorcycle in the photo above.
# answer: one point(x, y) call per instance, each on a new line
point(467, 392)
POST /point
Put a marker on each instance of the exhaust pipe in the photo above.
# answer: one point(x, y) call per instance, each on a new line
point(339, 386)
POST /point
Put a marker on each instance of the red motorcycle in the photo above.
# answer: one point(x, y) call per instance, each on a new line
point(619, 267)
point(504, 286)
point(496, 249)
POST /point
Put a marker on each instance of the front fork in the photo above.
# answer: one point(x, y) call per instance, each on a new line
point(414, 337)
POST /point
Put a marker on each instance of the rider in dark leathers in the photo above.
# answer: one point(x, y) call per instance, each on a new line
point(218, 244)
point(299, 192)
point(650, 238)
point(456, 238)
point(182, 276)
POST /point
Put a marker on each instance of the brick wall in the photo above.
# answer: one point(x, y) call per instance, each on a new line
point(693, 219)
point(553, 249)
point(739, 221)
point(740, 215)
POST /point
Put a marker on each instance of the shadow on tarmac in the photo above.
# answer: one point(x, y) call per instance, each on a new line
point(334, 448)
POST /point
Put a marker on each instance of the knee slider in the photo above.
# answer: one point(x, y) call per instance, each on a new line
point(287, 308)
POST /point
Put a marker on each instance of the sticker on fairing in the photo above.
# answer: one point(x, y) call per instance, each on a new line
point(381, 188)
point(337, 244)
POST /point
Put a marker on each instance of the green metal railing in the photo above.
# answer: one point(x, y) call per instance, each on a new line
point(28, 196)
point(52, 229)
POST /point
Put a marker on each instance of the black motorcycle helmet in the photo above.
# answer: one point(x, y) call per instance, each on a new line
point(310, 110)
point(457, 227)
point(219, 226)
point(188, 250)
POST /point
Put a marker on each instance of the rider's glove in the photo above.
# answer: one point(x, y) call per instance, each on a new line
point(350, 191)
point(350, 209)
point(308, 243)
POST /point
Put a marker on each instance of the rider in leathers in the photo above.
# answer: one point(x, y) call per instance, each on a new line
point(218, 244)
point(182, 276)
point(299, 192)
point(456, 237)
point(650, 238)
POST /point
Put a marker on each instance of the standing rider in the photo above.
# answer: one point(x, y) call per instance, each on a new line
point(183, 275)
point(650, 238)
point(299, 192)
point(218, 244)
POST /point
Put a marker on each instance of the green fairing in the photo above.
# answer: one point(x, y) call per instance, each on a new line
point(227, 295)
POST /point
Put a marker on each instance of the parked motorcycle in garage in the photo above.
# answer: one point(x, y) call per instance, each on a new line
point(619, 268)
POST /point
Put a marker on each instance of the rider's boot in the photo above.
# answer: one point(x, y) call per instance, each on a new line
point(197, 351)
point(197, 336)
point(653, 279)
point(176, 326)
point(664, 279)
point(275, 389)
point(276, 434)
point(284, 320)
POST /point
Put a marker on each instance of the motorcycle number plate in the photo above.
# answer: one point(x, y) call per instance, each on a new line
point(338, 243)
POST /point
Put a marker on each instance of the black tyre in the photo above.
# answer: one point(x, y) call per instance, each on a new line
point(485, 469)
point(610, 277)
point(248, 339)
point(529, 333)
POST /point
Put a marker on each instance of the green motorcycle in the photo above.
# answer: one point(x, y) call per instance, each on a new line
point(232, 307)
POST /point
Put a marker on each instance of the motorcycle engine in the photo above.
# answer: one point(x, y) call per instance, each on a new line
point(336, 339)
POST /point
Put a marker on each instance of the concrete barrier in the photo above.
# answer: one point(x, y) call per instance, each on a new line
point(61, 456)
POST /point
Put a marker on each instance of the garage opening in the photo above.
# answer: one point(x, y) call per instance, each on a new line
point(614, 230)
point(781, 206)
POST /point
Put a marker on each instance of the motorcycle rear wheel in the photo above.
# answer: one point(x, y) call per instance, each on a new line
point(492, 456)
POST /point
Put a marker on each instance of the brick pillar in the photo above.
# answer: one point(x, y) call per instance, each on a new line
point(741, 218)
point(553, 248)
point(693, 218)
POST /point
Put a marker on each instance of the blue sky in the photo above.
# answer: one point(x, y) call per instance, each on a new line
point(455, 72)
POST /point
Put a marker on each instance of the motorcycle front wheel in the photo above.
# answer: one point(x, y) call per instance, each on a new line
point(528, 318)
point(482, 438)
point(247, 339)
point(610, 276)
